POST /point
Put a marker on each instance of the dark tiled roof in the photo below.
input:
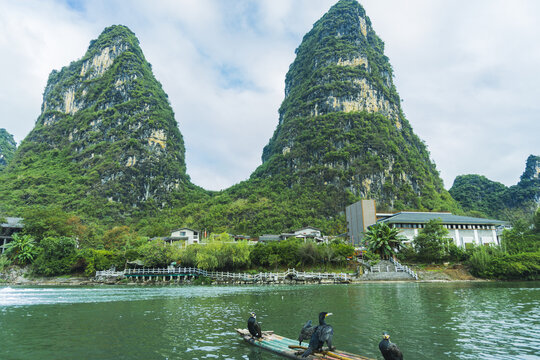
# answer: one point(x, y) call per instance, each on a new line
point(446, 218)
point(185, 228)
point(268, 237)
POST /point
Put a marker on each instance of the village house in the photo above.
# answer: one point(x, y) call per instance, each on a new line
point(465, 231)
point(8, 228)
point(303, 233)
point(183, 237)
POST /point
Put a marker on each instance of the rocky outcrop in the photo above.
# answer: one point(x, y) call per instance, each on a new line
point(7, 148)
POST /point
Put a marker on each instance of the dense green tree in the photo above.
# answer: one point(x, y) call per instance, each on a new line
point(432, 242)
point(494, 263)
point(57, 256)
point(157, 253)
point(523, 236)
point(52, 221)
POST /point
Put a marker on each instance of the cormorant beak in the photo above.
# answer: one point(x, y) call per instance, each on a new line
point(329, 314)
point(386, 336)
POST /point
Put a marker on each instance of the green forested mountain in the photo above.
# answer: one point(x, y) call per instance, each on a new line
point(7, 148)
point(477, 193)
point(106, 143)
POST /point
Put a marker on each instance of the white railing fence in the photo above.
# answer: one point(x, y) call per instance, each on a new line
point(225, 275)
point(404, 268)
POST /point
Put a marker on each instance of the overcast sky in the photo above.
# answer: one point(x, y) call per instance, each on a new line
point(467, 72)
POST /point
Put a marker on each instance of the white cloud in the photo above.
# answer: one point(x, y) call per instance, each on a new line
point(466, 71)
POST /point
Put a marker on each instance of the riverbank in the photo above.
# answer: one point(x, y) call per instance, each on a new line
point(426, 273)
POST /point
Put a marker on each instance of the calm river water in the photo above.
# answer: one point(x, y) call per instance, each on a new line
point(462, 320)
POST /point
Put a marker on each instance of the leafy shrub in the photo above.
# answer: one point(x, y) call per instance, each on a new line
point(382, 239)
point(456, 253)
point(56, 256)
point(22, 249)
point(492, 263)
point(92, 260)
point(4, 263)
point(407, 253)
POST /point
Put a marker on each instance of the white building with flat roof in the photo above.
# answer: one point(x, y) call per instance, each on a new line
point(466, 231)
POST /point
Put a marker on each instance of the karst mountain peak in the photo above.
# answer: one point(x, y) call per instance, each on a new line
point(341, 128)
point(107, 125)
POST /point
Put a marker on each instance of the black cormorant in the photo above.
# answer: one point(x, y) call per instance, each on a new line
point(389, 350)
point(253, 326)
point(322, 334)
point(306, 332)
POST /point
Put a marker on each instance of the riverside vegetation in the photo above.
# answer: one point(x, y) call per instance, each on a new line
point(59, 244)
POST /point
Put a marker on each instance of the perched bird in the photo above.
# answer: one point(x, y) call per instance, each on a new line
point(389, 350)
point(323, 333)
point(306, 332)
point(253, 326)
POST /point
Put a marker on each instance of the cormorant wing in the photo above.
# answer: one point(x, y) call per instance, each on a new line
point(258, 329)
point(308, 325)
point(326, 333)
point(396, 353)
point(306, 332)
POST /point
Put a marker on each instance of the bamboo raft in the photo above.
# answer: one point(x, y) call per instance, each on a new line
point(289, 348)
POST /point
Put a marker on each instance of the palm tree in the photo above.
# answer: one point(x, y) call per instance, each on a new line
point(382, 239)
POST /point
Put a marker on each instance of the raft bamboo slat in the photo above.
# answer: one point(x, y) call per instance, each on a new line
point(289, 348)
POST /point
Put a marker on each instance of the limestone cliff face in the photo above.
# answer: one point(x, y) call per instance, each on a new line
point(113, 125)
point(341, 126)
point(532, 169)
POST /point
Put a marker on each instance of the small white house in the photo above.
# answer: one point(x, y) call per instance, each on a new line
point(309, 232)
point(183, 236)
